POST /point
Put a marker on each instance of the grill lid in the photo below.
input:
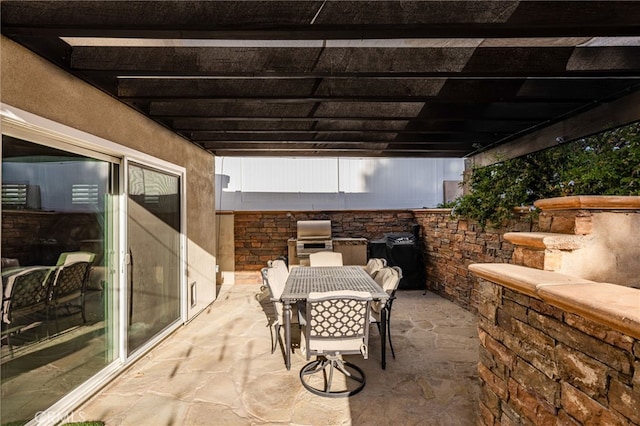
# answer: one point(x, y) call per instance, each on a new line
point(314, 229)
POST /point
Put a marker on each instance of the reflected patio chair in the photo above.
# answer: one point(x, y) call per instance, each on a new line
point(25, 293)
point(325, 258)
point(374, 265)
point(75, 256)
point(388, 278)
point(70, 282)
point(337, 323)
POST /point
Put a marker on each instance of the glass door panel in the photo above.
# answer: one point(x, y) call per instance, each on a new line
point(58, 277)
point(153, 235)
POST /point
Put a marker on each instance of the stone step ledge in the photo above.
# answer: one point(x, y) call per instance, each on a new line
point(590, 202)
point(546, 240)
point(609, 304)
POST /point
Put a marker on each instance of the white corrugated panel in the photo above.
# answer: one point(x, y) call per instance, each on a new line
point(332, 183)
point(288, 175)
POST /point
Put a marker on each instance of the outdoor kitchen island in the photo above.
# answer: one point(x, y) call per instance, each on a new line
point(354, 251)
point(315, 235)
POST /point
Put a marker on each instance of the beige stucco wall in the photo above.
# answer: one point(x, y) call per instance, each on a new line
point(33, 84)
point(226, 249)
point(610, 254)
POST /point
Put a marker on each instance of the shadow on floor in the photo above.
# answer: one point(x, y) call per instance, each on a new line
point(219, 370)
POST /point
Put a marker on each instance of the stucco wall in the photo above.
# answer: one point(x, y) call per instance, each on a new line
point(32, 84)
point(609, 251)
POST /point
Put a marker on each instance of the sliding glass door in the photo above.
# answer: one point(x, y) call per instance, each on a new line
point(92, 267)
point(59, 274)
point(153, 257)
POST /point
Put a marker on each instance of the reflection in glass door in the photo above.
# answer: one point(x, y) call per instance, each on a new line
point(58, 319)
point(153, 235)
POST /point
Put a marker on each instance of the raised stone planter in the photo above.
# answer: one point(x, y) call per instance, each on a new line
point(564, 348)
point(592, 237)
point(556, 349)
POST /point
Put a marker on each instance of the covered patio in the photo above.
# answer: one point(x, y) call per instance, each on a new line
point(429, 79)
point(162, 88)
point(219, 370)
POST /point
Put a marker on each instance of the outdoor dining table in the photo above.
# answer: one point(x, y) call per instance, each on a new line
point(303, 280)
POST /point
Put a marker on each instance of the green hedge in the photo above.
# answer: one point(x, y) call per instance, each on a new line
point(604, 164)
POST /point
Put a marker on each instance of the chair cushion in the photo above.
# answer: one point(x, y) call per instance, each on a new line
point(321, 346)
point(376, 307)
point(388, 278)
point(75, 256)
point(374, 265)
point(325, 258)
point(276, 282)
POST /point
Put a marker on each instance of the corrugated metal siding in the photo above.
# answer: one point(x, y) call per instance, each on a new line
point(287, 175)
point(332, 183)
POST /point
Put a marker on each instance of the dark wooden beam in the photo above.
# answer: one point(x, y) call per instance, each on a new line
point(318, 62)
point(297, 20)
point(411, 78)
point(317, 152)
point(338, 145)
point(469, 90)
point(604, 117)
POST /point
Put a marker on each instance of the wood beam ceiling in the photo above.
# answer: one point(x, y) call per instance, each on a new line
point(362, 78)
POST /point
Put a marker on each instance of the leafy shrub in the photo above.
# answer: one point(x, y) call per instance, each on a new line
point(604, 164)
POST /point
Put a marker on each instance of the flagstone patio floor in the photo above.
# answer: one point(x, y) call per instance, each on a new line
point(219, 370)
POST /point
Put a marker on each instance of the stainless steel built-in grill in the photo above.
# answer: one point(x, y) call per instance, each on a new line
point(313, 236)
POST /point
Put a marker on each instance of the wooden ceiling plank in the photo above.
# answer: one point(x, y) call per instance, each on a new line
point(360, 62)
point(418, 78)
point(345, 19)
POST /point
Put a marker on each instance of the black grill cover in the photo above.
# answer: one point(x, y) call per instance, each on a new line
point(403, 250)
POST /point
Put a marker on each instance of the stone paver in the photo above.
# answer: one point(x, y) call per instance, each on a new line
point(218, 370)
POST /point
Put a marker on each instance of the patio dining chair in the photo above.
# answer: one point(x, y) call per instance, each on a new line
point(25, 294)
point(337, 323)
point(272, 280)
point(70, 283)
point(374, 265)
point(281, 269)
point(388, 278)
point(325, 258)
point(70, 257)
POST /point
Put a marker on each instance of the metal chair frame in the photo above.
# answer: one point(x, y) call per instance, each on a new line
point(274, 324)
point(337, 323)
point(389, 305)
point(26, 292)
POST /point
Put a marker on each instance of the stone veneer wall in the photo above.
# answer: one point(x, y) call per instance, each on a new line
point(542, 365)
point(261, 236)
point(452, 244)
point(33, 236)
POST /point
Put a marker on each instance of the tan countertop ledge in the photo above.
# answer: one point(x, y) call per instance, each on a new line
point(587, 202)
point(520, 278)
point(612, 305)
point(545, 240)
